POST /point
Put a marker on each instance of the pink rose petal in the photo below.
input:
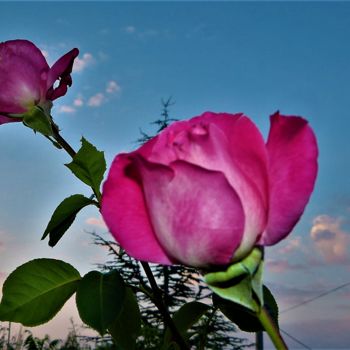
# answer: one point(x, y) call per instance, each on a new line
point(23, 72)
point(197, 216)
point(293, 152)
point(231, 144)
point(124, 211)
point(61, 70)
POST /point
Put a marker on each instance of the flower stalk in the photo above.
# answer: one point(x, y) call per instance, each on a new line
point(271, 329)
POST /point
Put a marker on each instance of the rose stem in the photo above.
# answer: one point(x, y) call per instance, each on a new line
point(158, 300)
point(271, 329)
point(156, 291)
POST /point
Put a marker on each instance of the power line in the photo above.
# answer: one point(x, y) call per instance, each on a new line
point(296, 340)
point(316, 297)
point(306, 302)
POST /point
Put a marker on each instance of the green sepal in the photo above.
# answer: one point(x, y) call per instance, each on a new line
point(38, 120)
point(241, 282)
point(37, 290)
point(100, 298)
point(244, 318)
point(63, 217)
point(89, 166)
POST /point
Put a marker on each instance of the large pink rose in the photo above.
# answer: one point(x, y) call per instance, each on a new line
point(206, 191)
point(27, 80)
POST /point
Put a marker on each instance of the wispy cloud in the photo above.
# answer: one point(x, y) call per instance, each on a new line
point(85, 61)
point(292, 245)
point(112, 87)
point(96, 100)
point(279, 266)
point(99, 222)
point(331, 241)
point(129, 29)
point(140, 33)
point(78, 101)
point(66, 109)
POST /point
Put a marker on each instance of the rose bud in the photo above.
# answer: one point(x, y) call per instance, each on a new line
point(26, 80)
point(205, 191)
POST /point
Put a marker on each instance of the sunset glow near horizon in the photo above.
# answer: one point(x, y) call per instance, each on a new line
point(254, 57)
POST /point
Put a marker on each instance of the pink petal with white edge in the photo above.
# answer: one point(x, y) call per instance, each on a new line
point(292, 150)
point(197, 216)
point(23, 74)
point(123, 209)
point(61, 70)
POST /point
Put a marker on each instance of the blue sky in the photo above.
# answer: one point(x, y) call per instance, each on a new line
point(254, 57)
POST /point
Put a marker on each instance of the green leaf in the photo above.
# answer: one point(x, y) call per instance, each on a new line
point(37, 290)
point(185, 318)
point(89, 165)
point(127, 327)
point(244, 318)
point(63, 217)
point(100, 298)
point(241, 282)
point(37, 120)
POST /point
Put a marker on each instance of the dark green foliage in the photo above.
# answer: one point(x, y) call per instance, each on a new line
point(35, 343)
point(179, 285)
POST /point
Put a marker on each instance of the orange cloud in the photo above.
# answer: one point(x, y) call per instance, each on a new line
point(330, 240)
point(279, 266)
point(292, 244)
point(96, 222)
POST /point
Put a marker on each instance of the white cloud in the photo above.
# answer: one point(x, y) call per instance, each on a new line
point(112, 86)
point(66, 109)
point(78, 102)
point(96, 100)
point(140, 33)
point(81, 63)
point(331, 241)
point(130, 29)
point(99, 222)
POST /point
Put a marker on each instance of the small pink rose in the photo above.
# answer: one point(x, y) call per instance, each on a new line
point(26, 80)
point(206, 191)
